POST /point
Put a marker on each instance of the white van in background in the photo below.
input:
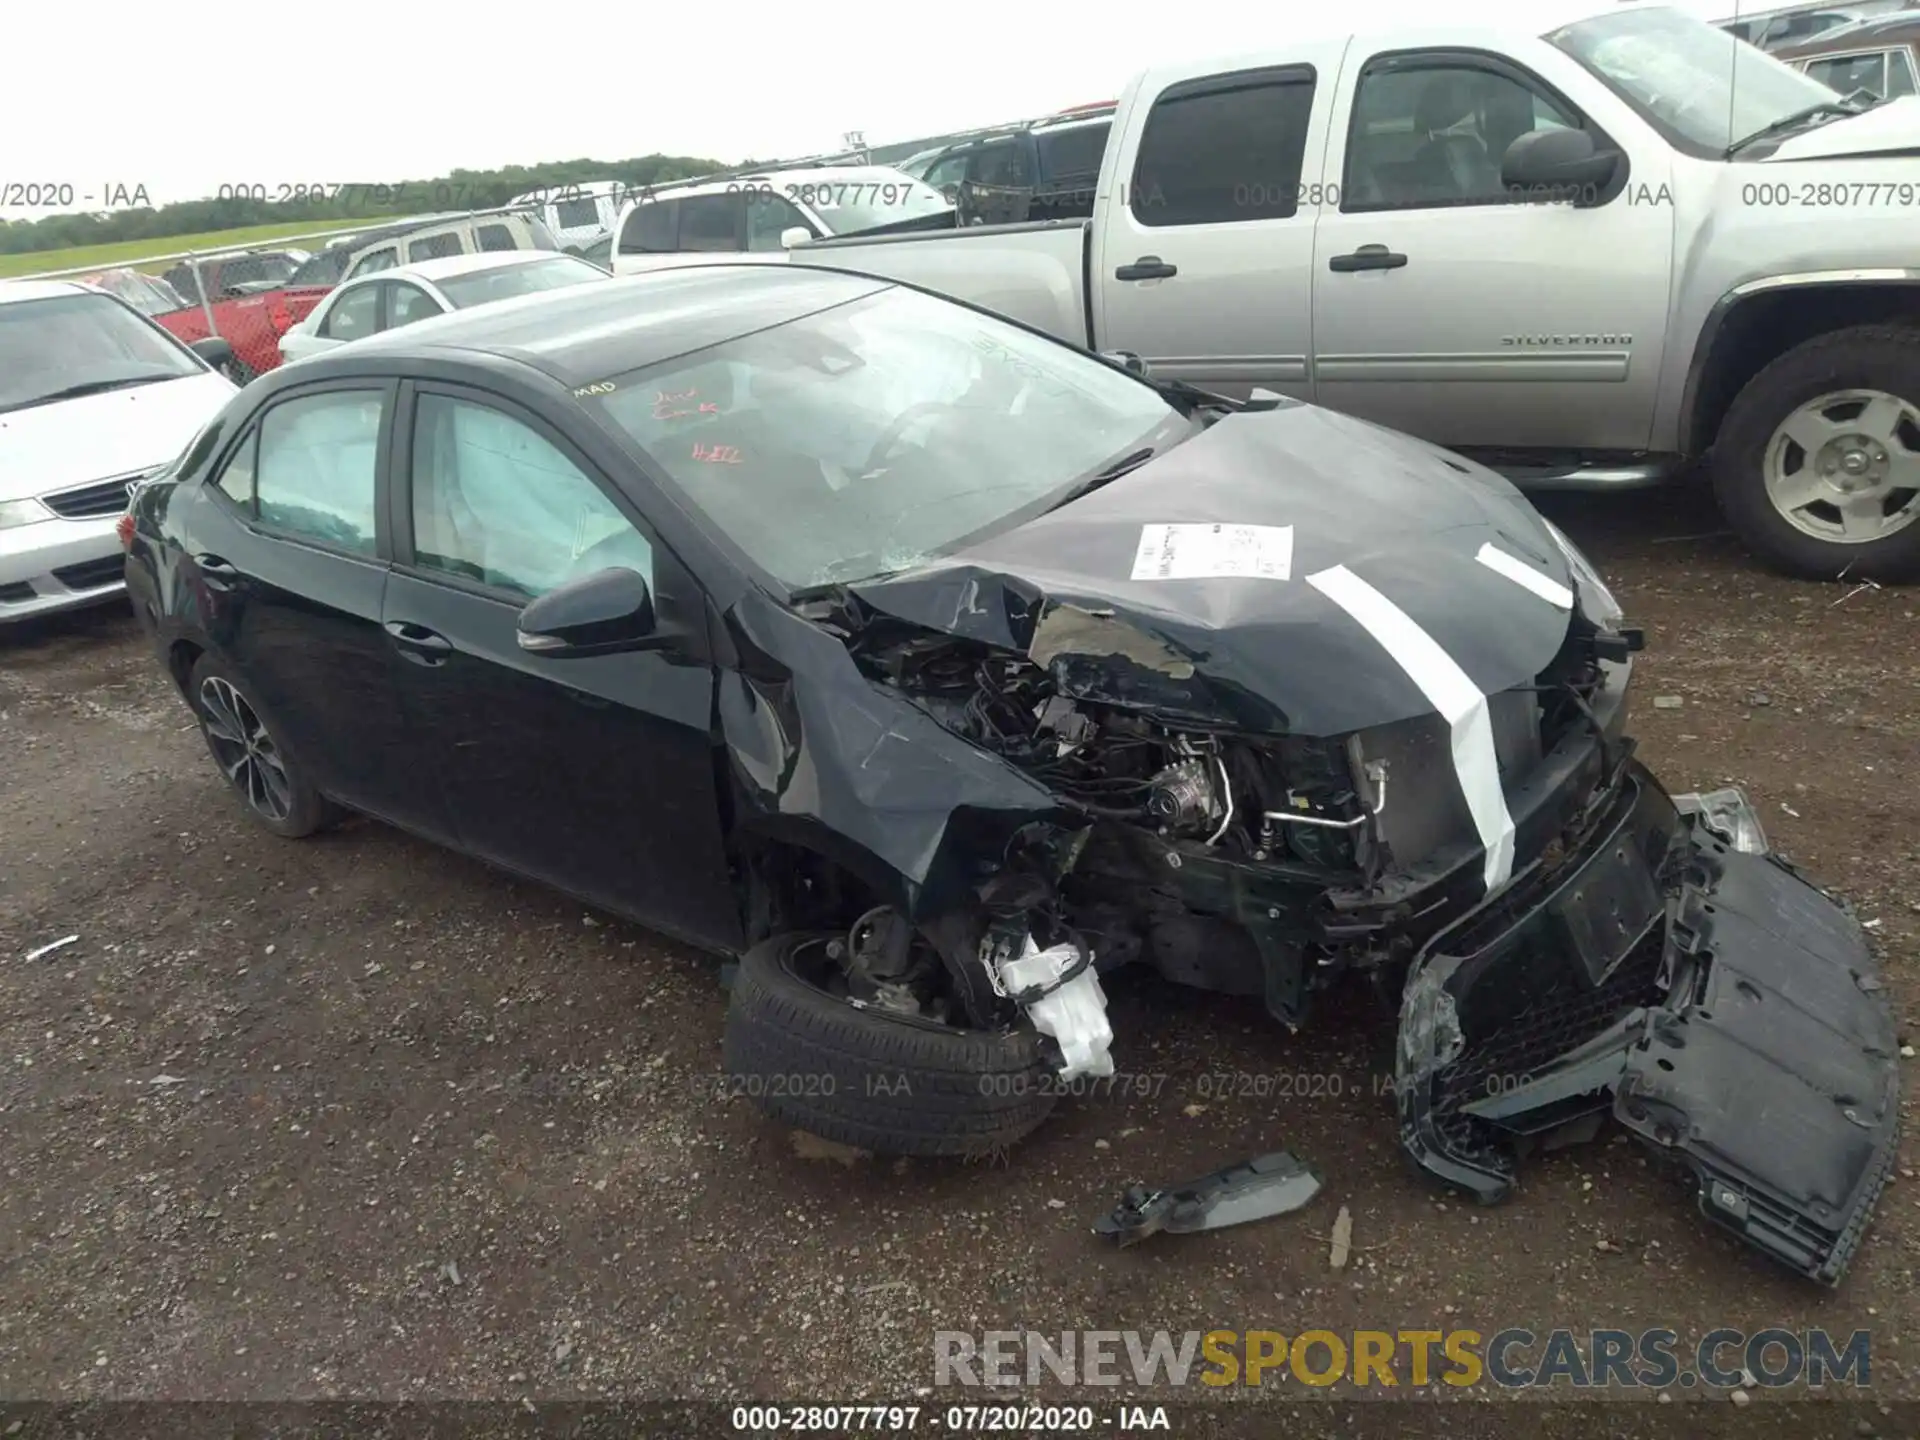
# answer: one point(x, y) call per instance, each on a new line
point(758, 215)
point(578, 213)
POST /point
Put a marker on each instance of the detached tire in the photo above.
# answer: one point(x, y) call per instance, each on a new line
point(885, 1083)
point(1817, 464)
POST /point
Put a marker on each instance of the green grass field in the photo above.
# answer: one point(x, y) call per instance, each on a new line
point(133, 252)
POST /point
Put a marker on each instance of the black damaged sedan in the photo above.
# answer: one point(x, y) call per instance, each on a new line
point(939, 670)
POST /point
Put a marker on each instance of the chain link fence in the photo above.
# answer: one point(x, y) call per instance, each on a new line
point(251, 294)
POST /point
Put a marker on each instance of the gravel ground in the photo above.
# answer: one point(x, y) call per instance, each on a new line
point(359, 1117)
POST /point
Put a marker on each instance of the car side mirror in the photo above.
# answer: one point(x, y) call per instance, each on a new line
point(598, 614)
point(1546, 166)
point(215, 351)
point(1126, 360)
point(794, 235)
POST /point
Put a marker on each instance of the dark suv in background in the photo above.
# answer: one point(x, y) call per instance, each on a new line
point(1040, 170)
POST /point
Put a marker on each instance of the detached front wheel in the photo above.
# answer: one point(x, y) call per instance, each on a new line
point(877, 1079)
point(1817, 466)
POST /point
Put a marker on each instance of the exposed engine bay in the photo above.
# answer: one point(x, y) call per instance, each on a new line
point(1258, 865)
point(1253, 799)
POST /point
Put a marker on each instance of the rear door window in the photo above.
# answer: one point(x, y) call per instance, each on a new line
point(494, 236)
point(385, 258)
point(1224, 149)
point(435, 247)
point(1073, 153)
point(314, 470)
point(1002, 164)
point(355, 312)
point(651, 229)
point(407, 303)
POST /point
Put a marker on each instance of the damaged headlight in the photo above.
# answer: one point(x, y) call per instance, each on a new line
point(1596, 600)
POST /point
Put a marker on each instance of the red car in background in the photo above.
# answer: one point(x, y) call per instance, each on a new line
point(258, 296)
point(244, 295)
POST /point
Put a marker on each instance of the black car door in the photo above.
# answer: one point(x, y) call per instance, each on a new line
point(596, 773)
point(285, 541)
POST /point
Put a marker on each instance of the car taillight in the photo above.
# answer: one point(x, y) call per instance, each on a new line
point(123, 527)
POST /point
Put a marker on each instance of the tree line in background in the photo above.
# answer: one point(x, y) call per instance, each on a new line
point(249, 204)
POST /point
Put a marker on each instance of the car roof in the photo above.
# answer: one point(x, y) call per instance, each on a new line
point(375, 234)
point(14, 291)
point(573, 190)
point(586, 333)
point(445, 267)
point(811, 175)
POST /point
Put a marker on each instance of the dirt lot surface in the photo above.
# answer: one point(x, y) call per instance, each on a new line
point(358, 1117)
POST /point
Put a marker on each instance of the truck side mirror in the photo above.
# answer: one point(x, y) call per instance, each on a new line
point(794, 235)
point(1548, 166)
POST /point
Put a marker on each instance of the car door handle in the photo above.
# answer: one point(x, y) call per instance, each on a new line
point(1367, 257)
point(217, 573)
point(419, 644)
point(1147, 267)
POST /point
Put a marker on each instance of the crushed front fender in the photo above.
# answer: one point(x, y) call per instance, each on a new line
point(1717, 1004)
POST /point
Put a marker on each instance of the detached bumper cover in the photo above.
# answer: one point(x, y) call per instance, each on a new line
point(1726, 1011)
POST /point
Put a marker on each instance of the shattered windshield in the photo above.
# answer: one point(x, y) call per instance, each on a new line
point(875, 435)
point(1700, 86)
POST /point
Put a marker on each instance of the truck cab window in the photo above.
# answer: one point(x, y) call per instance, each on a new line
point(1002, 163)
point(1224, 149)
point(1435, 136)
point(650, 228)
point(710, 223)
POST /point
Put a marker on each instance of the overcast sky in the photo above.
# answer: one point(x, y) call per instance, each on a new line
point(227, 92)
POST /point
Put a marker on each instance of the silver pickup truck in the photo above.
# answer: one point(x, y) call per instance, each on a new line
point(1586, 252)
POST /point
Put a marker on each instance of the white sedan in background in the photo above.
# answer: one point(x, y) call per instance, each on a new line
point(388, 299)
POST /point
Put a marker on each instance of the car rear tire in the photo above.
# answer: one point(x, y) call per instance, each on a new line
point(886, 1083)
point(1817, 465)
point(245, 744)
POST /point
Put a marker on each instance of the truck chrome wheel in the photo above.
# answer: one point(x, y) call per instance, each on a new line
point(1845, 467)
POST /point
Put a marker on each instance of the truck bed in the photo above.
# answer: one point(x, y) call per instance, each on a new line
point(1035, 273)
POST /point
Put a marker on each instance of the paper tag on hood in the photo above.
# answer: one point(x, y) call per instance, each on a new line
point(1214, 552)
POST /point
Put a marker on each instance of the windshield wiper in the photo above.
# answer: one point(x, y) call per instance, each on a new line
point(1845, 105)
point(1125, 465)
point(87, 387)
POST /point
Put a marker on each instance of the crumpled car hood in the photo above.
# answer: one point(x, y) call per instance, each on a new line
point(1268, 651)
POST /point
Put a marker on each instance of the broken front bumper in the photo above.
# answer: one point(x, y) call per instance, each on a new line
point(1675, 974)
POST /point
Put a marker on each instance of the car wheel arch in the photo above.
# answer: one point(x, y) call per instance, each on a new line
point(795, 874)
point(182, 656)
point(1754, 324)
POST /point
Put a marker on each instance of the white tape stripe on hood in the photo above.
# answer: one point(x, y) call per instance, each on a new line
point(1523, 574)
point(1449, 690)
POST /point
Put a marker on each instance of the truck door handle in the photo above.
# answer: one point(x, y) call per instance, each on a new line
point(217, 573)
point(419, 644)
point(1147, 267)
point(1367, 257)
